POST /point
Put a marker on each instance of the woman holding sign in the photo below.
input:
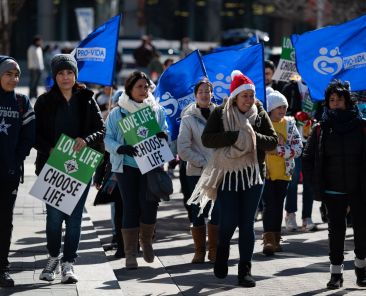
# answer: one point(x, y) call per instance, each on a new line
point(191, 149)
point(67, 108)
point(139, 214)
point(239, 131)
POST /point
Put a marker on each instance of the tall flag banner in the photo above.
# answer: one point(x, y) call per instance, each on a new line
point(249, 42)
point(139, 129)
point(85, 19)
point(175, 89)
point(66, 175)
point(334, 52)
point(96, 54)
point(250, 61)
point(286, 66)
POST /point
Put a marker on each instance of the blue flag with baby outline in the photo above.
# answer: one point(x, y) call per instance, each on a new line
point(333, 52)
point(175, 89)
point(250, 61)
point(96, 54)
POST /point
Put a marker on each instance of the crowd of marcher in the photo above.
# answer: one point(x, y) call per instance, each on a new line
point(238, 163)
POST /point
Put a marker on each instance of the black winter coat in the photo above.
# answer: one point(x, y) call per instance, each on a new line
point(336, 160)
point(92, 128)
point(214, 135)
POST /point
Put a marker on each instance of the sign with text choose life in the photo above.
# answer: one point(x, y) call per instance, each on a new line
point(66, 174)
point(139, 130)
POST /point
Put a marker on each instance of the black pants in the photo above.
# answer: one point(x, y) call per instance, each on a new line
point(273, 196)
point(337, 212)
point(185, 189)
point(8, 194)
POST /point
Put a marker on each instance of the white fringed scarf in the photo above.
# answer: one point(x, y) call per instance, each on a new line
point(131, 106)
point(235, 159)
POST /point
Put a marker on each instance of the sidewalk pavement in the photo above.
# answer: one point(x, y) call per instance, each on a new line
point(302, 269)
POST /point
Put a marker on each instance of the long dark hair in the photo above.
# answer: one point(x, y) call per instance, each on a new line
point(132, 79)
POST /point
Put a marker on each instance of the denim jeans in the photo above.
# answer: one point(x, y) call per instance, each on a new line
point(337, 212)
point(237, 209)
point(8, 195)
point(195, 209)
point(273, 197)
point(307, 195)
point(55, 219)
point(136, 208)
point(34, 79)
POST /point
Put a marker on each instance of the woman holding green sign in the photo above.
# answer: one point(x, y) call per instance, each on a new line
point(67, 108)
point(139, 214)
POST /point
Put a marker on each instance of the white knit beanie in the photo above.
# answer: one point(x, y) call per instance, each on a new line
point(275, 99)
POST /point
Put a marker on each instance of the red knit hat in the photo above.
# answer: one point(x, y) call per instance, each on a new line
point(239, 83)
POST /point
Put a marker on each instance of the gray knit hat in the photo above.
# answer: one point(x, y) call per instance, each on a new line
point(8, 63)
point(63, 62)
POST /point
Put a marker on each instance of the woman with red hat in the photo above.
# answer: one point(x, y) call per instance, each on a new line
point(240, 132)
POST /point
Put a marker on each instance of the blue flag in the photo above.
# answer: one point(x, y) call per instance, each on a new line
point(175, 89)
point(249, 61)
point(334, 52)
point(96, 54)
point(249, 42)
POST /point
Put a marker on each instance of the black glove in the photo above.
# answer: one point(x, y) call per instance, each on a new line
point(162, 135)
point(127, 149)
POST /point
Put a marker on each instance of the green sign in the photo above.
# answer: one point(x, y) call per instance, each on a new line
point(80, 165)
point(138, 126)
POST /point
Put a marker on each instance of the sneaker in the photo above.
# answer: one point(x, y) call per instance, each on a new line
point(308, 224)
point(67, 272)
point(258, 215)
point(290, 221)
point(5, 280)
point(52, 268)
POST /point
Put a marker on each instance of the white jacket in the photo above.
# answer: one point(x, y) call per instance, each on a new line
point(190, 147)
point(35, 58)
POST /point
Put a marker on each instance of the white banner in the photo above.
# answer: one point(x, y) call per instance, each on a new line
point(85, 19)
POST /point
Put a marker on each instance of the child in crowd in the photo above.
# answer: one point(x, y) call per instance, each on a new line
point(280, 165)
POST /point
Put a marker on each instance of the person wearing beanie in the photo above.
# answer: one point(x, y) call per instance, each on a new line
point(17, 136)
point(139, 212)
point(67, 108)
point(280, 165)
point(191, 150)
point(335, 158)
point(240, 132)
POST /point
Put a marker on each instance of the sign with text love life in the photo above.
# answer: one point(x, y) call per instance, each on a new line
point(139, 130)
point(286, 66)
point(66, 174)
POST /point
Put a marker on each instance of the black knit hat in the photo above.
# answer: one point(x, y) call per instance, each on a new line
point(63, 62)
point(8, 63)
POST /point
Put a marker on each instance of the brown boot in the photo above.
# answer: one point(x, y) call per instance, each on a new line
point(212, 231)
point(278, 247)
point(130, 240)
point(199, 239)
point(269, 243)
point(146, 235)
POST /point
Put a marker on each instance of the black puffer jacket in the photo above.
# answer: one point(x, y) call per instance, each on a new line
point(92, 128)
point(214, 135)
point(335, 158)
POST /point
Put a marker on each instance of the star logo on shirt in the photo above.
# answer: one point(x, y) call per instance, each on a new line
point(4, 127)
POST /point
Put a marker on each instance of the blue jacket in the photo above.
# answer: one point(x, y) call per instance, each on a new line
point(114, 136)
point(17, 133)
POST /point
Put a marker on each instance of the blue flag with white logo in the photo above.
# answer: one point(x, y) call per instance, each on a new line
point(175, 89)
point(250, 61)
point(334, 52)
point(249, 42)
point(96, 54)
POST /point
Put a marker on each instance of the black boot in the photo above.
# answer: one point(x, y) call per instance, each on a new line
point(361, 276)
point(244, 275)
point(5, 280)
point(120, 253)
point(222, 256)
point(336, 281)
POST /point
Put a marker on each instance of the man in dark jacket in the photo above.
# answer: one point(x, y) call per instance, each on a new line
point(17, 135)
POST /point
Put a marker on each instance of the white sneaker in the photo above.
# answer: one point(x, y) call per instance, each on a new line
point(308, 224)
point(67, 272)
point(52, 268)
point(290, 221)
